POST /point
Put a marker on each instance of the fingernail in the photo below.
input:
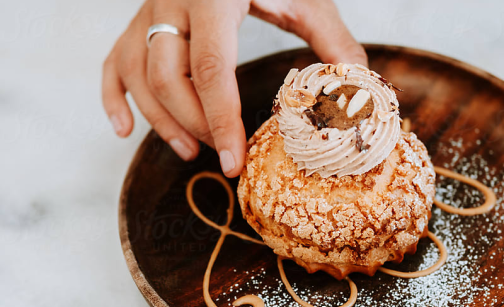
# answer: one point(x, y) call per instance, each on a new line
point(181, 149)
point(227, 161)
point(116, 123)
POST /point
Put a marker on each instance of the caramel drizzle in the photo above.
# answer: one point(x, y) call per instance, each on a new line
point(353, 288)
point(255, 301)
point(250, 299)
point(490, 198)
point(224, 230)
point(442, 259)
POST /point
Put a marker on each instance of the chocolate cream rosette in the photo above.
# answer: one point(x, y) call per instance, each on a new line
point(331, 181)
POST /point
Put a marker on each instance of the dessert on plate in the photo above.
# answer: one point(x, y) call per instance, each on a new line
point(331, 181)
point(334, 183)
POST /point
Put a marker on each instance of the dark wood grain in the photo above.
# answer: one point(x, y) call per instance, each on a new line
point(167, 248)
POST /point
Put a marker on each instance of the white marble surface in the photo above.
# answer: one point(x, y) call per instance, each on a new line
point(61, 167)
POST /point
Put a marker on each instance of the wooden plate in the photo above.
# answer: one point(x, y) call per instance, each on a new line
point(457, 110)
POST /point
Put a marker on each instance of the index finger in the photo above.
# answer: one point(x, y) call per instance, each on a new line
point(213, 51)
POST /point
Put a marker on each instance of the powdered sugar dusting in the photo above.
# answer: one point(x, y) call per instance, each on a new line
point(276, 295)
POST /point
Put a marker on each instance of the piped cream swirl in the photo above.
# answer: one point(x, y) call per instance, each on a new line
point(339, 154)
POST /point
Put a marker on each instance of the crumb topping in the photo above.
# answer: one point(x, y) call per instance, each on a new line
point(355, 219)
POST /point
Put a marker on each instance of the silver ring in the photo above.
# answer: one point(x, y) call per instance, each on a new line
point(164, 28)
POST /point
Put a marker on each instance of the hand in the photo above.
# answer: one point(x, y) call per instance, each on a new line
point(207, 107)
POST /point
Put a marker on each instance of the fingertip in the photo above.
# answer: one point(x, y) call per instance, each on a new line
point(114, 100)
point(187, 148)
point(231, 163)
point(338, 47)
point(232, 157)
point(364, 60)
point(353, 53)
point(359, 56)
point(122, 124)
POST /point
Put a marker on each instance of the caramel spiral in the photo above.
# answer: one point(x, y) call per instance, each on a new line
point(353, 288)
point(224, 229)
point(432, 269)
point(253, 300)
point(490, 198)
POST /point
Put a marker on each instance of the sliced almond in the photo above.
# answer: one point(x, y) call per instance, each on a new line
point(357, 102)
point(331, 87)
point(342, 100)
point(341, 69)
point(290, 76)
point(300, 97)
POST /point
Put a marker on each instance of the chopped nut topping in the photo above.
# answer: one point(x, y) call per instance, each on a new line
point(341, 69)
point(384, 116)
point(329, 69)
point(299, 97)
point(332, 68)
point(290, 76)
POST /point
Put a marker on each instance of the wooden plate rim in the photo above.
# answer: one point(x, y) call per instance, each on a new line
point(150, 295)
